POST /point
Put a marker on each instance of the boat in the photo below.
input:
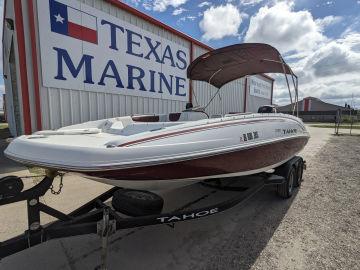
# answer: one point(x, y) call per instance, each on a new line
point(153, 152)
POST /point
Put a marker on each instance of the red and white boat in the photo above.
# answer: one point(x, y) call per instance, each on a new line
point(167, 151)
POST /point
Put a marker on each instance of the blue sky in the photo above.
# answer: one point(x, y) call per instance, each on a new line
point(320, 39)
point(191, 12)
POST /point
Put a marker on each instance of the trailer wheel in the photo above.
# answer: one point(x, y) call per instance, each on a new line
point(137, 202)
point(299, 173)
point(285, 190)
point(10, 186)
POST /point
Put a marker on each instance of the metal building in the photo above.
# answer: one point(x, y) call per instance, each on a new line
point(70, 61)
point(312, 109)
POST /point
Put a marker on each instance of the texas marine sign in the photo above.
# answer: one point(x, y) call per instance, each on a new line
point(86, 49)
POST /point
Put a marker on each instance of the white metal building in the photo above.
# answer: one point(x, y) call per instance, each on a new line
point(70, 61)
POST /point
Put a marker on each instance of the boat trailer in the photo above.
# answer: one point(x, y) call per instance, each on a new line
point(98, 217)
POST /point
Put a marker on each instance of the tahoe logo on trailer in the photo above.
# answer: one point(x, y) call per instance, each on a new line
point(193, 215)
point(86, 49)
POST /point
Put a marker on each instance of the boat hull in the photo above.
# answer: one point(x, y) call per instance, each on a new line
point(144, 156)
point(252, 160)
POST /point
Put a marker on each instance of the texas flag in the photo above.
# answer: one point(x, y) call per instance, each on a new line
point(72, 22)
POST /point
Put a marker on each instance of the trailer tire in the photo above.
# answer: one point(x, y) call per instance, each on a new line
point(285, 190)
point(10, 186)
point(299, 173)
point(137, 202)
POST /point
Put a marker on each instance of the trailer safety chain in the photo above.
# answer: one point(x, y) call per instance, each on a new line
point(60, 185)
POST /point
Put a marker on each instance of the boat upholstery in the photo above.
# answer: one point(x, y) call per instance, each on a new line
point(192, 116)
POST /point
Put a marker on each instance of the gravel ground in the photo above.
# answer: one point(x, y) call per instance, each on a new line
point(318, 228)
point(322, 229)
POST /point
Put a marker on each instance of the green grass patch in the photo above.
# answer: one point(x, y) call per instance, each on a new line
point(3, 125)
point(333, 126)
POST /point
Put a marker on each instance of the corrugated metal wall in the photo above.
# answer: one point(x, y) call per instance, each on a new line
point(61, 107)
point(229, 99)
point(11, 72)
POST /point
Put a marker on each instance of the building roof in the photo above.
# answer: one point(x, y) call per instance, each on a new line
point(311, 104)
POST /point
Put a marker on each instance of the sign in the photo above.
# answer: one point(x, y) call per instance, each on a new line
point(83, 48)
point(260, 88)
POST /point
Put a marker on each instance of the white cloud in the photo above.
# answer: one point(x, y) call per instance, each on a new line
point(135, 2)
point(334, 59)
point(328, 20)
point(185, 18)
point(329, 3)
point(178, 11)
point(285, 28)
point(204, 4)
point(250, 2)
point(220, 21)
point(147, 5)
point(329, 72)
point(162, 5)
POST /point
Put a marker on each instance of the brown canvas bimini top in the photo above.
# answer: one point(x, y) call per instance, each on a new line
point(226, 64)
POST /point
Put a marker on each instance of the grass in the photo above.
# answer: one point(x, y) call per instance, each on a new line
point(3, 125)
point(342, 126)
point(4, 131)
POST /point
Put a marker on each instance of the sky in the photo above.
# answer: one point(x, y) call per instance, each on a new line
point(319, 39)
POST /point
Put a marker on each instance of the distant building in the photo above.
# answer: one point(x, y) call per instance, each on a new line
point(312, 109)
point(311, 104)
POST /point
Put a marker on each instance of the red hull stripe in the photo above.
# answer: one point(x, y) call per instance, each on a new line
point(176, 133)
point(240, 161)
point(82, 33)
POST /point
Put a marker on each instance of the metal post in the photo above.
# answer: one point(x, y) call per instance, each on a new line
point(33, 214)
point(104, 239)
point(287, 81)
point(296, 92)
point(105, 228)
point(33, 210)
point(297, 95)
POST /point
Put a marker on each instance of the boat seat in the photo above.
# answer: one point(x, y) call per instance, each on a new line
point(267, 109)
point(117, 123)
point(139, 127)
point(174, 117)
point(235, 114)
point(192, 116)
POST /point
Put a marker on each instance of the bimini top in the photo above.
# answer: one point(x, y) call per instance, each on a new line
point(226, 64)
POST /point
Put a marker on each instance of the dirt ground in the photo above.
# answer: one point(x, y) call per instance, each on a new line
point(318, 228)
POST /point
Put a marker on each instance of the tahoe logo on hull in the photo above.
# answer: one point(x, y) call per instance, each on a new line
point(289, 131)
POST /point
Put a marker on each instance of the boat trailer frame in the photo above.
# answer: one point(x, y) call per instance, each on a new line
point(97, 217)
